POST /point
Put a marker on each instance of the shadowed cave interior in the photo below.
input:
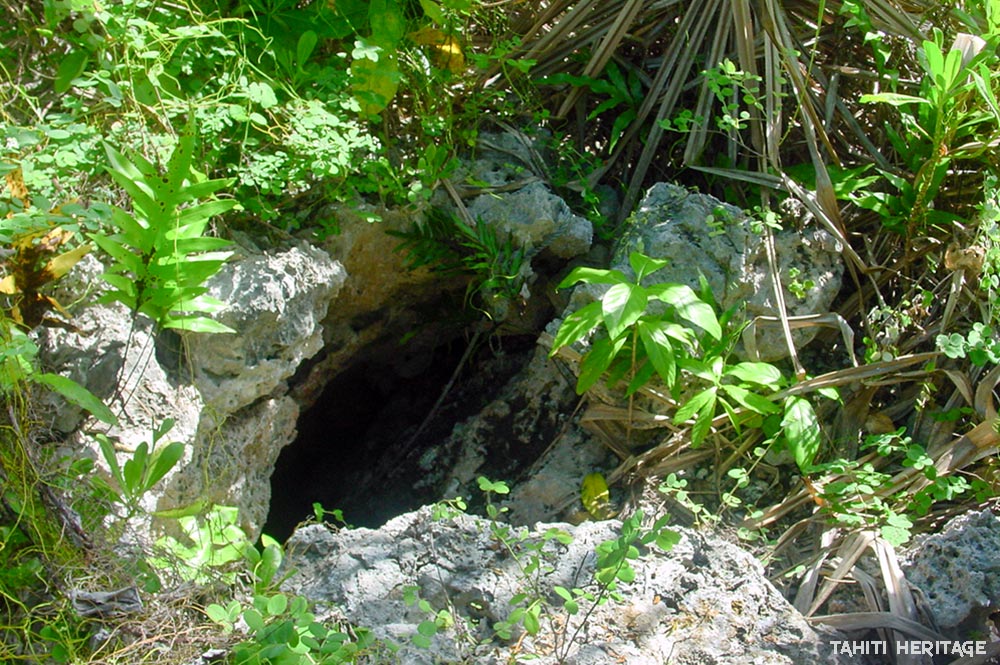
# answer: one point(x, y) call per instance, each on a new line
point(355, 450)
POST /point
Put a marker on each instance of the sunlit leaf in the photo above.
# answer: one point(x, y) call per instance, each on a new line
point(577, 325)
point(645, 265)
point(589, 275)
point(597, 360)
point(802, 431)
point(659, 351)
point(622, 305)
point(78, 395)
point(689, 307)
point(595, 496)
point(763, 374)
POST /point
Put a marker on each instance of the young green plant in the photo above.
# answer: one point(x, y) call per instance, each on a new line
point(622, 314)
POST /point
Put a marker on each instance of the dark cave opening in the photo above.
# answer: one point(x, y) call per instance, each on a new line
point(355, 450)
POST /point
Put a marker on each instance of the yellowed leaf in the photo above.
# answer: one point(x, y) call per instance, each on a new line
point(16, 187)
point(62, 264)
point(596, 497)
point(8, 286)
point(446, 51)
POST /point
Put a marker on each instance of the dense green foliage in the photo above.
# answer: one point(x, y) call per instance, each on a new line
point(151, 134)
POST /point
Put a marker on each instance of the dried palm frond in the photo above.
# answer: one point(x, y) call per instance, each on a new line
point(798, 44)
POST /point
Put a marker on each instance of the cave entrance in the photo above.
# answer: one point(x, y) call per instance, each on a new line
point(357, 448)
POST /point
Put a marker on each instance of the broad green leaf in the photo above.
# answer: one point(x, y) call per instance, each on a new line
point(531, 623)
point(683, 335)
point(186, 270)
point(124, 292)
point(626, 574)
point(129, 260)
point(134, 470)
point(131, 180)
point(764, 374)
point(277, 604)
point(162, 461)
point(689, 307)
point(897, 528)
point(218, 614)
point(254, 620)
point(620, 366)
point(198, 324)
point(730, 413)
point(751, 400)
point(622, 121)
point(388, 25)
point(200, 303)
point(802, 431)
point(170, 189)
point(935, 59)
point(577, 325)
point(304, 48)
point(622, 306)
point(433, 10)
point(261, 93)
point(192, 220)
point(892, 98)
point(701, 369)
point(645, 265)
point(77, 394)
point(952, 69)
point(108, 450)
point(703, 423)
point(659, 351)
point(161, 430)
point(200, 190)
point(830, 393)
point(597, 360)
point(614, 75)
point(135, 231)
point(375, 82)
point(666, 539)
point(190, 510)
point(894, 535)
point(641, 378)
point(185, 246)
point(70, 68)
point(694, 405)
point(982, 79)
point(270, 560)
point(589, 275)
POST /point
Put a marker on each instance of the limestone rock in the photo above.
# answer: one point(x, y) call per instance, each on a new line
point(701, 235)
point(275, 303)
point(522, 204)
point(704, 602)
point(114, 357)
point(537, 219)
point(233, 414)
point(528, 422)
point(958, 571)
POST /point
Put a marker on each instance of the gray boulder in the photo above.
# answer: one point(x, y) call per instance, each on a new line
point(275, 302)
point(704, 602)
point(536, 219)
point(701, 235)
point(226, 392)
point(512, 168)
point(527, 422)
point(958, 570)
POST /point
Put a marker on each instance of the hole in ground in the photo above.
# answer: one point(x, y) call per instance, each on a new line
point(355, 450)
